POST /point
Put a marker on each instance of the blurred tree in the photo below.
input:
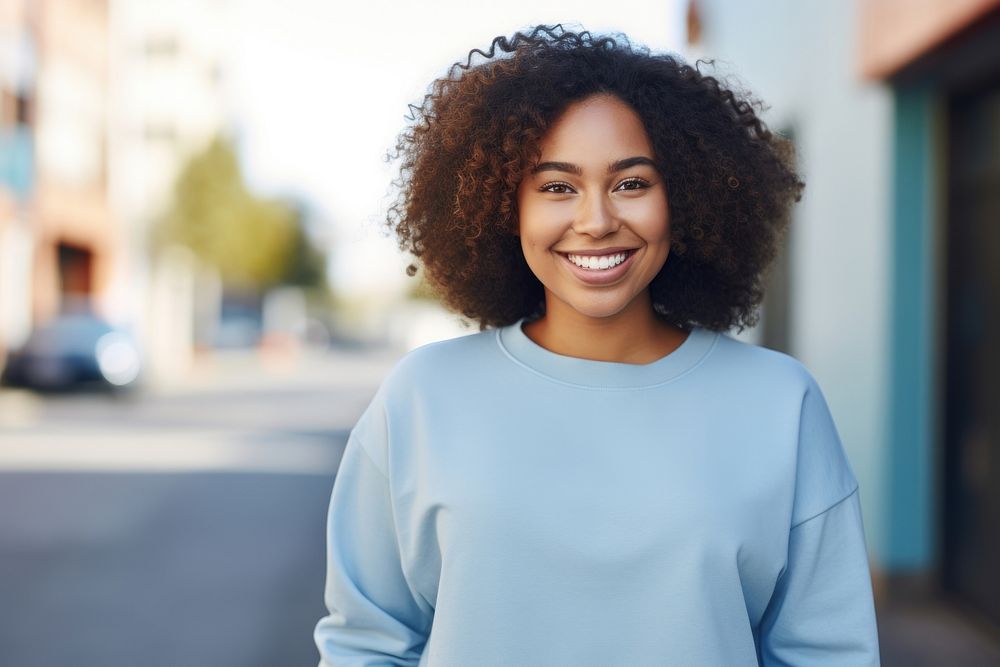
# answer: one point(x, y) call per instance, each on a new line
point(306, 265)
point(251, 241)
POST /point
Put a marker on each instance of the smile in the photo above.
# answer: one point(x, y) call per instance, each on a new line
point(600, 262)
point(599, 269)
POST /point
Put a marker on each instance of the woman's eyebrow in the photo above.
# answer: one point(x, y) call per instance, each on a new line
point(629, 162)
point(570, 168)
point(557, 166)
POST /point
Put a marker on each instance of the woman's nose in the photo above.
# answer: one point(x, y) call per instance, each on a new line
point(595, 218)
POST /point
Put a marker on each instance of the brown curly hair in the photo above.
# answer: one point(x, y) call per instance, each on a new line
point(730, 181)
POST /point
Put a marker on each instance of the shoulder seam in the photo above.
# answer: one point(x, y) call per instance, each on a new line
point(395, 525)
point(368, 455)
point(819, 514)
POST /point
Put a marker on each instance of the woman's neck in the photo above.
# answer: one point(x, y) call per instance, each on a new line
point(632, 336)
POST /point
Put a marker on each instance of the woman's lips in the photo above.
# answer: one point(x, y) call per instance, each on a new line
point(600, 276)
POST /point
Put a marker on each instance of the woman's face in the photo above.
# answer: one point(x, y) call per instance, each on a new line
point(593, 217)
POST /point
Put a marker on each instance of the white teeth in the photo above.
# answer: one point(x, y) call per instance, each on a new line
point(598, 262)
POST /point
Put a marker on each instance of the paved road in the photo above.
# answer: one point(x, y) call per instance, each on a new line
point(179, 528)
point(160, 569)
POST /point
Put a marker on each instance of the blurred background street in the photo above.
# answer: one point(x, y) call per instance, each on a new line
point(183, 527)
point(198, 299)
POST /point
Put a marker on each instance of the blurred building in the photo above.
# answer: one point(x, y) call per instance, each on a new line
point(168, 101)
point(890, 288)
point(57, 234)
point(17, 77)
point(103, 101)
point(75, 233)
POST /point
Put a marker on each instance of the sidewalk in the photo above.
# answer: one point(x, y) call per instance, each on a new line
point(239, 410)
point(276, 368)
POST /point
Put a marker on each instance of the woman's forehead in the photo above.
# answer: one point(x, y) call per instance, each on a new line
point(595, 130)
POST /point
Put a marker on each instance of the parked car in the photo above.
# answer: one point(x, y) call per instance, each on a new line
point(78, 351)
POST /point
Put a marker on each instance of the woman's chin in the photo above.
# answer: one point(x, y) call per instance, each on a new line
point(597, 310)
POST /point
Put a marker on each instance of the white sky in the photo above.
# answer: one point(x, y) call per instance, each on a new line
point(321, 88)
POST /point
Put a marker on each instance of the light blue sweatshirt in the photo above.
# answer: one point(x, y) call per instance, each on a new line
point(500, 504)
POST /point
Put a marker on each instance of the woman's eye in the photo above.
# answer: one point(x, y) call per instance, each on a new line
point(632, 184)
point(557, 188)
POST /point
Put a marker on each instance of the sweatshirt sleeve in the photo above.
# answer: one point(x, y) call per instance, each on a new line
point(822, 610)
point(374, 616)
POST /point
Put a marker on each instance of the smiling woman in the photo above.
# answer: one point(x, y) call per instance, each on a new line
point(479, 132)
point(602, 476)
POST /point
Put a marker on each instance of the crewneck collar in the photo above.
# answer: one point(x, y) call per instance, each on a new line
point(604, 374)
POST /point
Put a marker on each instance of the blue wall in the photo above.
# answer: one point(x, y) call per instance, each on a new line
point(909, 502)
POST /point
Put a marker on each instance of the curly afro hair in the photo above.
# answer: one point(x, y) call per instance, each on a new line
point(730, 181)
